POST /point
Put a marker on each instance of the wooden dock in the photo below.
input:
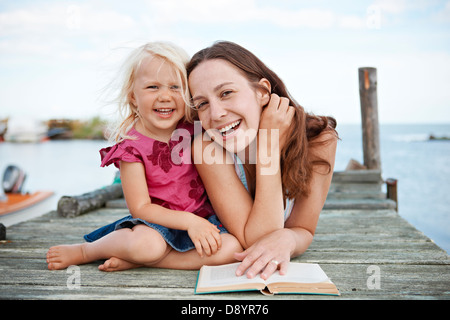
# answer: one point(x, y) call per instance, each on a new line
point(361, 242)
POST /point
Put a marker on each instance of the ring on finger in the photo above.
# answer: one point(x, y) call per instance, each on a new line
point(275, 261)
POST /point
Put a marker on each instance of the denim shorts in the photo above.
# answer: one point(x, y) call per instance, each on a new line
point(177, 239)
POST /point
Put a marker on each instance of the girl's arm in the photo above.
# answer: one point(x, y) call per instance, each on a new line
point(203, 234)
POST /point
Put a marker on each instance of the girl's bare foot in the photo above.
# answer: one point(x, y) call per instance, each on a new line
point(60, 257)
point(117, 264)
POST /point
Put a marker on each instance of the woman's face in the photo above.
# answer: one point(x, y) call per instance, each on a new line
point(229, 107)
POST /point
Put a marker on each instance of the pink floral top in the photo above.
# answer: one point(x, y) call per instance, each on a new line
point(172, 179)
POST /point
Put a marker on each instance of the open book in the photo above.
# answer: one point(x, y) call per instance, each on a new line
point(301, 278)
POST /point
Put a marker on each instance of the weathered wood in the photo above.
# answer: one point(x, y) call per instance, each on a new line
point(363, 203)
point(355, 232)
point(72, 206)
point(346, 243)
point(358, 176)
point(369, 117)
point(392, 191)
point(2, 231)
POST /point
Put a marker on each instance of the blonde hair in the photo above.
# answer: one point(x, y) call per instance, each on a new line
point(171, 53)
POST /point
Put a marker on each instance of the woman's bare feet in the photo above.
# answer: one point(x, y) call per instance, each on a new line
point(60, 257)
point(117, 264)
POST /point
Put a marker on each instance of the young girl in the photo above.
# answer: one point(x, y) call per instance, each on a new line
point(164, 193)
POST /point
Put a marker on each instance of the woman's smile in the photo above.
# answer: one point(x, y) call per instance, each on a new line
point(229, 129)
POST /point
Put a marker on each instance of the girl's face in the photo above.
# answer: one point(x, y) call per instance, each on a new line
point(229, 107)
point(157, 94)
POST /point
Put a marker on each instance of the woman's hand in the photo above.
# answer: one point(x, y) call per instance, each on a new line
point(278, 115)
point(271, 252)
point(204, 235)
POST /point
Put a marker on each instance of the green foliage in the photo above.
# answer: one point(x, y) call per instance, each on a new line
point(90, 129)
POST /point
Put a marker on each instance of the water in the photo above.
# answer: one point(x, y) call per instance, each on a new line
point(422, 168)
point(64, 167)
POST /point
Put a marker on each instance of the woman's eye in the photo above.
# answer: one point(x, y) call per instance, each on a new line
point(226, 93)
point(200, 105)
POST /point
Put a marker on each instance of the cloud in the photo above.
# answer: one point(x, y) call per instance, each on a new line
point(391, 6)
point(443, 16)
point(238, 11)
point(60, 31)
point(61, 18)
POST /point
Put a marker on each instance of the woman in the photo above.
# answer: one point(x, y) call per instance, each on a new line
point(269, 199)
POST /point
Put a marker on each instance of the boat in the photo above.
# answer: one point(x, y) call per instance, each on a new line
point(15, 204)
point(25, 130)
point(18, 201)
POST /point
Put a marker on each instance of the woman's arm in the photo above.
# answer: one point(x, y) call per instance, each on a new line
point(299, 230)
point(267, 214)
point(229, 198)
point(203, 234)
point(245, 218)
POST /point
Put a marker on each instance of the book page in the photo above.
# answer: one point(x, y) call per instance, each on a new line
point(224, 275)
point(300, 273)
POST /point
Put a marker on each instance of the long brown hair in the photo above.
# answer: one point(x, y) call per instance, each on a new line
point(296, 159)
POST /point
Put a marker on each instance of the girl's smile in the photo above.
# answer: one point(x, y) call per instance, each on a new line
point(164, 113)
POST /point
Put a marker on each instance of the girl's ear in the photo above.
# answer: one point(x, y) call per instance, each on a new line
point(132, 99)
point(264, 91)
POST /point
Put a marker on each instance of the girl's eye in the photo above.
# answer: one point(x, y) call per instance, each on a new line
point(175, 88)
point(152, 87)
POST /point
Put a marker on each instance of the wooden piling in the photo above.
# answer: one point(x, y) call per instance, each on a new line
point(2, 232)
point(369, 117)
point(391, 192)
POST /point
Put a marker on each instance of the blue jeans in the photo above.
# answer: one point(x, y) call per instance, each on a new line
point(177, 239)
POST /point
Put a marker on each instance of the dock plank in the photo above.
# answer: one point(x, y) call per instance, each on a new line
point(349, 239)
point(346, 244)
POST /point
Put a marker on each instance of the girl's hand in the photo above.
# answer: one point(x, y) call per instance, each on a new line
point(204, 235)
point(268, 254)
point(278, 115)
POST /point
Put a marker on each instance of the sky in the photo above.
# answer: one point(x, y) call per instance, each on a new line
point(56, 57)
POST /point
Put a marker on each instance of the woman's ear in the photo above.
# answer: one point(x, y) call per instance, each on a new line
point(264, 91)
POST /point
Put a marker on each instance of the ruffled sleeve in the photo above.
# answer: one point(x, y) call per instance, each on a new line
point(117, 153)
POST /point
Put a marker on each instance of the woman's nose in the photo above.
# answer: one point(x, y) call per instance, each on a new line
point(217, 111)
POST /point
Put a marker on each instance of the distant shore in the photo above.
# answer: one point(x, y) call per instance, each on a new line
point(92, 129)
point(53, 129)
point(434, 138)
